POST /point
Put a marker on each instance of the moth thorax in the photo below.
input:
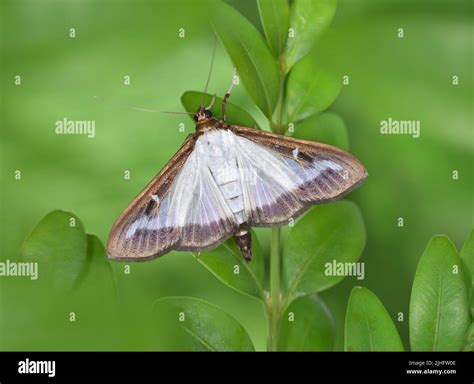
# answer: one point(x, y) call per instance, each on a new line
point(206, 126)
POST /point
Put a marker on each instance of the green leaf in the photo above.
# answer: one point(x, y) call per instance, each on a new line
point(97, 273)
point(469, 339)
point(204, 326)
point(327, 128)
point(307, 325)
point(274, 15)
point(192, 100)
point(311, 88)
point(325, 237)
point(439, 310)
point(255, 64)
point(228, 265)
point(59, 245)
point(368, 325)
point(308, 19)
point(467, 256)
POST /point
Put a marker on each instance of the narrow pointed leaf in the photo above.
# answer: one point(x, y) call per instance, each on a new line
point(308, 19)
point(275, 15)
point(307, 325)
point(439, 308)
point(228, 265)
point(311, 89)
point(201, 326)
point(192, 100)
point(368, 325)
point(327, 128)
point(59, 245)
point(258, 70)
point(325, 236)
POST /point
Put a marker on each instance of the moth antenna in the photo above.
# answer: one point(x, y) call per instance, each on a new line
point(210, 70)
point(232, 84)
point(213, 100)
point(140, 108)
point(227, 95)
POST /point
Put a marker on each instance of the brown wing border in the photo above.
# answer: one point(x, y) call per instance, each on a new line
point(273, 142)
point(159, 185)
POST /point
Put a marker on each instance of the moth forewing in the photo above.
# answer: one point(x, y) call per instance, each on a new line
point(129, 240)
point(302, 150)
point(303, 172)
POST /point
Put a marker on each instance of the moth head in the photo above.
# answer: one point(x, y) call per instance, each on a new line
point(203, 114)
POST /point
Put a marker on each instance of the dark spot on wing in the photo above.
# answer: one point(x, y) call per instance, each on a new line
point(288, 152)
point(149, 207)
point(304, 157)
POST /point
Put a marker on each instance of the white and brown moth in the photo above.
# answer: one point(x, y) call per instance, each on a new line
point(224, 180)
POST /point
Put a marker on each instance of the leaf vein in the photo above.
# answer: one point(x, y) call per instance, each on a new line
point(308, 261)
point(438, 312)
point(259, 75)
point(199, 338)
point(239, 258)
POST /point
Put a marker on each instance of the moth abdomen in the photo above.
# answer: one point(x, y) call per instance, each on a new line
point(243, 240)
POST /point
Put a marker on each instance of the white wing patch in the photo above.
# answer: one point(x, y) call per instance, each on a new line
point(295, 153)
point(150, 223)
point(282, 185)
point(228, 180)
point(194, 200)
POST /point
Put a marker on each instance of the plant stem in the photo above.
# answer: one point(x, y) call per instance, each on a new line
point(274, 310)
point(278, 126)
point(273, 304)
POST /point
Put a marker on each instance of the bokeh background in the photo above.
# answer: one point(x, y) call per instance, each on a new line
point(406, 78)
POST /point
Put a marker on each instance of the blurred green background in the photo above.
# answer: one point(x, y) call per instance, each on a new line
point(406, 78)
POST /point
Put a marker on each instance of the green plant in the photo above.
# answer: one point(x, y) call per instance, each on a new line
point(288, 84)
point(291, 87)
point(440, 307)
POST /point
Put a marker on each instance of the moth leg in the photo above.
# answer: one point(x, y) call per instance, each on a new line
point(227, 95)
